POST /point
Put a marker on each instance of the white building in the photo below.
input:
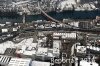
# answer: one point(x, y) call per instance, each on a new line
point(67, 4)
point(93, 48)
point(19, 62)
point(42, 51)
point(39, 63)
point(66, 35)
point(85, 63)
point(81, 49)
point(2, 25)
point(15, 29)
point(4, 60)
point(56, 47)
point(4, 30)
point(2, 49)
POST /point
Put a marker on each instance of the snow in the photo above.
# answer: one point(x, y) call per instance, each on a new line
point(29, 41)
point(29, 52)
point(93, 48)
point(76, 24)
point(14, 29)
point(56, 47)
point(67, 3)
point(65, 35)
point(19, 62)
point(4, 30)
point(2, 49)
point(4, 46)
point(34, 45)
point(93, 6)
point(78, 1)
point(38, 63)
point(50, 55)
point(81, 49)
point(2, 25)
point(22, 45)
point(27, 47)
point(85, 63)
point(42, 51)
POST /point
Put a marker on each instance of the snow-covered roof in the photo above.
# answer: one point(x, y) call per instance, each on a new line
point(81, 49)
point(56, 47)
point(5, 30)
point(34, 45)
point(29, 41)
point(2, 24)
point(85, 63)
point(38, 63)
point(50, 54)
point(66, 3)
point(66, 35)
point(26, 43)
point(27, 47)
point(29, 52)
point(5, 45)
point(93, 48)
point(14, 29)
point(56, 44)
point(42, 51)
point(19, 62)
point(76, 24)
point(2, 49)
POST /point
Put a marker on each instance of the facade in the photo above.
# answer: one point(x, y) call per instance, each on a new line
point(4, 60)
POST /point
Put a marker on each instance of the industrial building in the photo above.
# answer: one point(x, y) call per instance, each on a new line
point(4, 60)
point(19, 62)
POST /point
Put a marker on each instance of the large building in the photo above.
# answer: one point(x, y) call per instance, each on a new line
point(4, 60)
point(19, 62)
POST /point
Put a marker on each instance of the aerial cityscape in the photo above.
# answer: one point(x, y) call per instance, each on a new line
point(49, 32)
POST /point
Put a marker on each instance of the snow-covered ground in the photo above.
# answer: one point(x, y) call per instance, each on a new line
point(10, 44)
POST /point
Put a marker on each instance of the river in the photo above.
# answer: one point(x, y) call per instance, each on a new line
point(13, 17)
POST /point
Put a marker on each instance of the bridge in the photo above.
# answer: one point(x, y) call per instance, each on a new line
point(45, 14)
point(51, 18)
